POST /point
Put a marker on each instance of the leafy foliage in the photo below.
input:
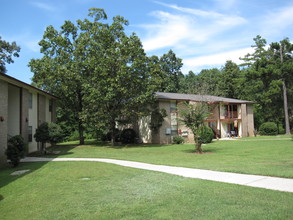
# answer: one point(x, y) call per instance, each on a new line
point(157, 118)
point(268, 128)
point(193, 116)
point(128, 136)
point(7, 51)
point(55, 133)
point(15, 149)
point(101, 74)
point(205, 134)
point(48, 133)
point(171, 67)
point(178, 140)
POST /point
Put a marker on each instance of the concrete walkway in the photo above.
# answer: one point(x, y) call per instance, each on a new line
point(273, 183)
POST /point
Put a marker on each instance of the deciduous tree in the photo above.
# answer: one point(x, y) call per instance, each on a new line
point(7, 51)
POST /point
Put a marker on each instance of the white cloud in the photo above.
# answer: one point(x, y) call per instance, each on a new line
point(43, 6)
point(277, 20)
point(198, 63)
point(186, 27)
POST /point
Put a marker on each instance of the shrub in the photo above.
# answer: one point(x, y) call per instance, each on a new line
point(15, 149)
point(55, 133)
point(108, 136)
point(268, 128)
point(205, 134)
point(178, 140)
point(128, 136)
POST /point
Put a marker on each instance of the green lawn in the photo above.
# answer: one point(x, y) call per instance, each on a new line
point(92, 190)
point(271, 156)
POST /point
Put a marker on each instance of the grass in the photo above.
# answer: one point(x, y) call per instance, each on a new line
point(271, 156)
point(89, 190)
point(92, 190)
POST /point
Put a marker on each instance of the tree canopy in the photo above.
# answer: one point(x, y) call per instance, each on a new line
point(101, 75)
point(7, 52)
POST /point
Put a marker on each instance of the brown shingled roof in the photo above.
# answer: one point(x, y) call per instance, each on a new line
point(198, 98)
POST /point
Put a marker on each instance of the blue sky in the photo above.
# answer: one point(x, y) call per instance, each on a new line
point(204, 33)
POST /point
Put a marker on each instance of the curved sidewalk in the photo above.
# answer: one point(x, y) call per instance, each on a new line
point(266, 182)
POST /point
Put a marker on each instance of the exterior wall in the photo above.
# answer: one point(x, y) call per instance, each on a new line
point(33, 121)
point(13, 110)
point(53, 113)
point(41, 109)
point(250, 120)
point(240, 121)
point(24, 114)
point(145, 132)
point(4, 123)
point(161, 136)
point(16, 115)
point(48, 114)
point(244, 120)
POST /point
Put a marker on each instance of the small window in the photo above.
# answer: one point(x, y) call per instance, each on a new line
point(50, 105)
point(30, 100)
point(30, 133)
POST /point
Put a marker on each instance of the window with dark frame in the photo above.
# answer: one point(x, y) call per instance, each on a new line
point(50, 105)
point(30, 133)
point(30, 100)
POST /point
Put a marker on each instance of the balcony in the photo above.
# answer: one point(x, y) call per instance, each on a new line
point(231, 115)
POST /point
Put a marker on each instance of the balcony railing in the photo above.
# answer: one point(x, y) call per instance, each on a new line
point(231, 115)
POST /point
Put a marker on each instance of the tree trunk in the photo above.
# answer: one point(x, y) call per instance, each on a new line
point(198, 148)
point(287, 125)
point(113, 134)
point(80, 131)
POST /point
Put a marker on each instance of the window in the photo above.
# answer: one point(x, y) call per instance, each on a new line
point(50, 105)
point(30, 133)
point(30, 100)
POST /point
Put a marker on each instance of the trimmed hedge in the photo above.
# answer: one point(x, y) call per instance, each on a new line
point(268, 128)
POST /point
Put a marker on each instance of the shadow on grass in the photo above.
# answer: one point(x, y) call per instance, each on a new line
point(206, 148)
point(6, 171)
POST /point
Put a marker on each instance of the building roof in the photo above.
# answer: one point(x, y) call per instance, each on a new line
point(198, 98)
point(19, 83)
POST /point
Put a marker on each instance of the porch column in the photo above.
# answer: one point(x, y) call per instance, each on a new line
point(244, 121)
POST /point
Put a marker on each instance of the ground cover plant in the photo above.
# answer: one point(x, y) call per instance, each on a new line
point(92, 190)
point(265, 155)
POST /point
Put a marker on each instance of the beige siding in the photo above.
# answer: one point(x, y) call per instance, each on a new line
point(33, 121)
point(244, 120)
point(145, 132)
point(250, 120)
point(13, 110)
point(24, 114)
point(3, 124)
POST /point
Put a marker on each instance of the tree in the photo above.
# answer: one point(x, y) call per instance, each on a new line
point(193, 116)
point(267, 76)
point(42, 136)
point(171, 67)
point(7, 51)
point(228, 85)
point(122, 86)
point(283, 57)
point(101, 74)
point(48, 133)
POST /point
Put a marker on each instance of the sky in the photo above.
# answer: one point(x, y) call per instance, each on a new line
point(203, 33)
